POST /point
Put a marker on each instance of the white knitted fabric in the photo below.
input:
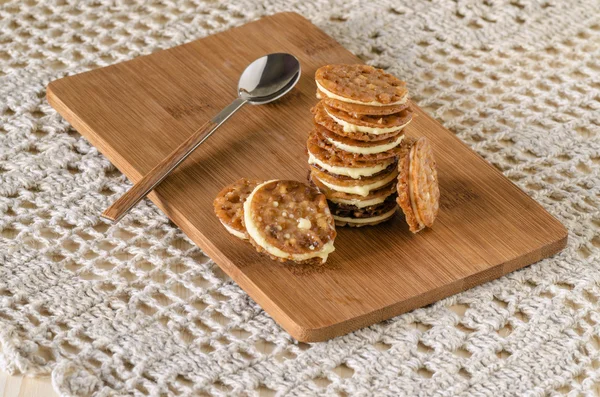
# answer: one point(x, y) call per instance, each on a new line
point(136, 308)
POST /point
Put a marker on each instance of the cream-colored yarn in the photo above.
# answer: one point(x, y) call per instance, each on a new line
point(136, 308)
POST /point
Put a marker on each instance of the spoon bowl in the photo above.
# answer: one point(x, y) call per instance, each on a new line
point(269, 78)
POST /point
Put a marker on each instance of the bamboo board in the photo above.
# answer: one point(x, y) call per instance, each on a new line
point(137, 112)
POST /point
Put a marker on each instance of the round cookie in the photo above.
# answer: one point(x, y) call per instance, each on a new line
point(418, 190)
point(289, 221)
point(339, 164)
point(350, 211)
point(358, 146)
point(364, 217)
point(361, 84)
point(319, 136)
point(322, 118)
point(374, 125)
point(355, 199)
point(360, 187)
point(229, 205)
point(359, 109)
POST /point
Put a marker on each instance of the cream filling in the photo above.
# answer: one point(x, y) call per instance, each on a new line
point(367, 149)
point(235, 232)
point(254, 232)
point(363, 190)
point(411, 187)
point(348, 171)
point(348, 100)
point(359, 203)
point(349, 127)
point(365, 220)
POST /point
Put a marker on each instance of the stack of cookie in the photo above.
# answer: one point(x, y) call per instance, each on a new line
point(356, 142)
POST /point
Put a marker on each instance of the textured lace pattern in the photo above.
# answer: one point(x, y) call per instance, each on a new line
point(136, 308)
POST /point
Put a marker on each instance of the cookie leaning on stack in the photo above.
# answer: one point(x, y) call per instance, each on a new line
point(355, 144)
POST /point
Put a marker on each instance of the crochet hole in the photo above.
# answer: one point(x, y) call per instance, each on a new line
point(161, 299)
point(503, 354)
point(343, 371)
point(505, 331)
point(464, 373)
point(321, 381)
point(264, 347)
point(264, 391)
point(72, 267)
point(459, 309)
point(303, 346)
point(123, 234)
point(178, 268)
point(181, 291)
point(464, 328)
point(572, 304)
point(220, 319)
point(382, 347)
point(218, 296)
point(181, 244)
point(69, 349)
point(590, 296)
point(422, 327)
point(33, 320)
point(222, 387)
point(206, 348)
point(337, 18)
point(84, 338)
point(8, 233)
point(201, 282)
point(584, 252)
point(199, 305)
point(184, 381)
point(139, 387)
point(424, 373)
point(127, 275)
point(89, 276)
point(6, 316)
point(462, 352)
point(45, 353)
point(186, 336)
point(145, 266)
point(240, 333)
point(521, 316)
point(104, 265)
point(285, 355)
point(421, 348)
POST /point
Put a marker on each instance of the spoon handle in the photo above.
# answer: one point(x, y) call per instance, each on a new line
point(153, 178)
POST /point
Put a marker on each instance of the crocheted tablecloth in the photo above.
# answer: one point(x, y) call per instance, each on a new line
point(136, 308)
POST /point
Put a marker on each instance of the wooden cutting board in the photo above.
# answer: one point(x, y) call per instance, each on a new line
point(137, 112)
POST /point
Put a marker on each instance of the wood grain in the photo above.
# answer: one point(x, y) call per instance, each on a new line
point(138, 111)
point(137, 192)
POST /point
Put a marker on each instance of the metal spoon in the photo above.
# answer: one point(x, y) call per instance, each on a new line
point(264, 80)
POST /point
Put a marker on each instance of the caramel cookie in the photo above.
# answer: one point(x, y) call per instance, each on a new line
point(360, 187)
point(289, 221)
point(369, 124)
point(349, 211)
point(229, 205)
point(322, 118)
point(359, 109)
point(368, 216)
point(361, 84)
point(418, 190)
point(340, 150)
point(337, 196)
point(339, 164)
